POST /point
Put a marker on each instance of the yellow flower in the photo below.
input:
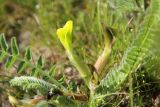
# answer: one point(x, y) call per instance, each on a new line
point(65, 35)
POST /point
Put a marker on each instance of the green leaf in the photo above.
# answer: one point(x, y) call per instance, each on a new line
point(10, 61)
point(36, 73)
point(2, 55)
point(27, 83)
point(36, 70)
point(21, 66)
point(33, 72)
point(52, 71)
point(3, 43)
point(14, 47)
point(28, 55)
point(40, 63)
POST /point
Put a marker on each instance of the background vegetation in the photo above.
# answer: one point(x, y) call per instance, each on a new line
point(96, 24)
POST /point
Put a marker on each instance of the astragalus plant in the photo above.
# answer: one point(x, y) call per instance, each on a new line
point(97, 84)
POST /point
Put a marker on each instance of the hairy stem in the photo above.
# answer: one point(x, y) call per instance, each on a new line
point(81, 67)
